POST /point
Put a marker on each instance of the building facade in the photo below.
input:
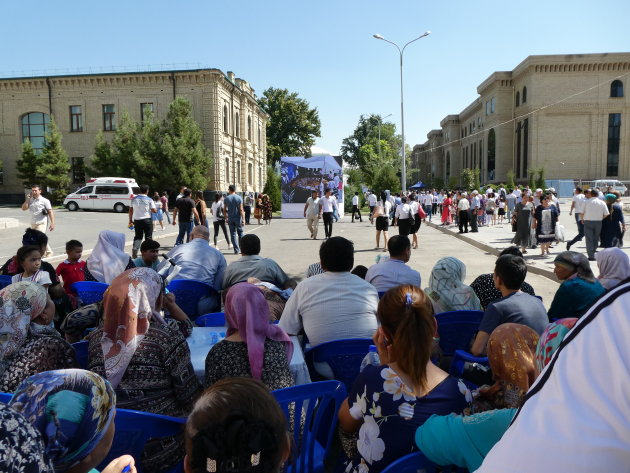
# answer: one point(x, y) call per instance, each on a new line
point(225, 107)
point(568, 114)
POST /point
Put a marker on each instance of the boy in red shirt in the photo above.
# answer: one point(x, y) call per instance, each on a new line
point(71, 270)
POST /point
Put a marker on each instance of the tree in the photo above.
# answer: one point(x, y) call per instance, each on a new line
point(272, 188)
point(532, 178)
point(367, 132)
point(55, 165)
point(468, 179)
point(120, 157)
point(292, 126)
point(386, 179)
point(510, 180)
point(540, 181)
point(29, 165)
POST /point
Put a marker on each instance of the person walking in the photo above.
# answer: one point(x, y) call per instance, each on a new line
point(381, 214)
point(446, 209)
point(595, 210)
point(201, 207)
point(463, 207)
point(164, 200)
point(185, 208)
point(327, 208)
point(233, 208)
point(404, 217)
point(140, 210)
point(577, 206)
point(42, 214)
point(267, 209)
point(248, 201)
point(218, 218)
point(158, 216)
point(355, 207)
point(312, 209)
point(371, 203)
point(545, 219)
point(258, 208)
point(523, 214)
point(475, 205)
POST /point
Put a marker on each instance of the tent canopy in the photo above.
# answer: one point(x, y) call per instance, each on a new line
point(325, 162)
point(417, 185)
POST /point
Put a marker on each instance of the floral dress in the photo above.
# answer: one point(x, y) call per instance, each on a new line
point(391, 413)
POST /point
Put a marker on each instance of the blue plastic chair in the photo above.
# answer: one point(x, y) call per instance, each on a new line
point(5, 397)
point(457, 328)
point(134, 429)
point(81, 351)
point(343, 356)
point(215, 319)
point(4, 281)
point(318, 404)
point(188, 293)
point(460, 358)
point(90, 291)
point(381, 294)
point(413, 463)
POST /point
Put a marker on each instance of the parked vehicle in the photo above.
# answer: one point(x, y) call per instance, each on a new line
point(103, 193)
point(614, 185)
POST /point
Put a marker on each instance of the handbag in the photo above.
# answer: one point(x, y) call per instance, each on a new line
point(412, 220)
point(421, 213)
point(559, 232)
point(514, 223)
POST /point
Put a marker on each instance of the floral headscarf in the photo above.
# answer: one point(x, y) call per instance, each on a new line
point(72, 409)
point(550, 340)
point(447, 288)
point(614, 267)
point(20, 303)
point(129, 306)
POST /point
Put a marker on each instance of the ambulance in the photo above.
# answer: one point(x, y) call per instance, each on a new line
point(103, 193)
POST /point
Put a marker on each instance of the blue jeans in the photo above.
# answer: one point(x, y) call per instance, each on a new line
point(184, 228)
point(236, 227)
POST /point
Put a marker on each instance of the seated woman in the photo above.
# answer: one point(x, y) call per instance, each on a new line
point(253, 347)
point(236, 426)
point(27, 344)
point(484, 285)
point(74, 412)
point(108, 258)
point(387, 403)
point(465, 441)
point(146, 360)
point(579, 288)
point(614, 267)
point(30, 260)
point(447, 290)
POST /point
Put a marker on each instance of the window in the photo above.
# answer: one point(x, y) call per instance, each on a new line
point(227, 170)
point(480, 156)
point(112, 190)
point(34, 129)
point(260, 186)
point(518, 98)
point(249, 127)
point(76, 118)
point(614, 127)
point(238, 172)
point(616, 88)
point(78, 170)
point(487, 108)
point(85, 190)
point(237, 125)
point(1, 173)
point(493, 104)
point(109, 117)
point(525, 145)
point(491, 153)
point(519, 134)
point(448, 165)
point(259, 134)
point(146, 111)
point(524, 94)
point(225, 119)
point(250, 174)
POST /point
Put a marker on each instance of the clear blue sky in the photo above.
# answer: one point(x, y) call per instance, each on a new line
point(321, 49)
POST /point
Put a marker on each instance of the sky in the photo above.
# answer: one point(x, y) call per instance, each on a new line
point(321, 49)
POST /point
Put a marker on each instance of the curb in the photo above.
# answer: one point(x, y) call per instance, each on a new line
point(547, 273)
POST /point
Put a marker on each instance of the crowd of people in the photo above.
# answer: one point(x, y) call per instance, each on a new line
point(61, 418)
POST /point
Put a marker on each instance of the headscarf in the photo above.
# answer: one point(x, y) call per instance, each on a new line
point(577, 263)
point(614, 267)
point(247, 312)
point(20, 303)
point(72, 409)
point(129, 306)
point(108, 258)
point(550, 340)
point(511, 355)
point(21, 446)
point(447, 288)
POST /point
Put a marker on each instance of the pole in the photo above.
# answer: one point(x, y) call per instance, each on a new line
point(380, 155)
point(403, 176)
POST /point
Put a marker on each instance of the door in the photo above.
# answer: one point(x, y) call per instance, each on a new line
point(83, 197)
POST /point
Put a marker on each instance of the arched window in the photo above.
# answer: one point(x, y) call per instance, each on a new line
point(227, 170)
point(259, 134)
point(524, 94)
point(448, 165)
point(491, 154)
point(238, 172)
point(225, 119)
point(249, 127)
point(237, 126)
point(616, 88)
point(518, 99)
point(34, 129)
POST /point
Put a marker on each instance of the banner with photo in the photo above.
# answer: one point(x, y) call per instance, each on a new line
point(300, 176)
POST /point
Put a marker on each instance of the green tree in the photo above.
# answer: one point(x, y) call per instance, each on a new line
point(468, 179)
point(367, 132)
point(386, 178)
point(272, 188)
point(532, 177)
point(292, 126)
point(29, 165)
point(540, 181)
point(511, 184)
point(55, 165)
point(452, 182)
point(476, 179)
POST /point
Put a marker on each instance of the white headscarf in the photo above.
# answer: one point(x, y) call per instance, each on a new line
point(614, 267)
point(108, 259)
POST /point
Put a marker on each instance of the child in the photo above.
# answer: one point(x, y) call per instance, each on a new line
point(30, 259)
point(72, 269)
point(149, 255)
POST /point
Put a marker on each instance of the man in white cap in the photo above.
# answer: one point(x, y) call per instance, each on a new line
point(475, 205)
point(463, 207)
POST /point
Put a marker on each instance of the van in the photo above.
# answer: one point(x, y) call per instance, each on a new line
point(103, 193)
point(614, 185)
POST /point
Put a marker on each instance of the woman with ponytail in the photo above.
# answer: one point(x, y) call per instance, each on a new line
point(388, 403)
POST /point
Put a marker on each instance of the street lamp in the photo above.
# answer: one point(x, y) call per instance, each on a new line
point(402, 109)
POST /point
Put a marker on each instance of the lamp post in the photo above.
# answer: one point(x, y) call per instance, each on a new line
point(380, 122)
point(402, 108)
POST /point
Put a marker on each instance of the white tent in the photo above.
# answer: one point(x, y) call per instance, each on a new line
point(325, 162)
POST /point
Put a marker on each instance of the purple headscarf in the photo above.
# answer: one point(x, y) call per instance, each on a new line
point(247, 312)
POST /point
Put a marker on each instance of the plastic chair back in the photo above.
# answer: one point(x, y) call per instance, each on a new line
point(343, 356)
point(90, 291)
point(413, 463)
point(316, 406)
point(457, 328)
point(188, 293)
point(5, 397)
point(214, 319)
point(81, 351)
point(381, 294)
point(460, 358)
point(5, 280)
point(134, 429)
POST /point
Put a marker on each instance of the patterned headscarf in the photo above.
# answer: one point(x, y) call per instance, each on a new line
point(72, 409)
point(550, 340)
point(577, 263)
point(247, 312)
point(129, 306)
point(21, 446)
point(20, 303)
point(108, 258)
point(614, 267)
point(446, 286)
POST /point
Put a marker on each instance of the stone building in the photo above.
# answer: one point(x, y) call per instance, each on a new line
point(233, 125)
point(566, 113)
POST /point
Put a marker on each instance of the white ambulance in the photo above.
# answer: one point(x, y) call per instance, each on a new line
point(103, 193)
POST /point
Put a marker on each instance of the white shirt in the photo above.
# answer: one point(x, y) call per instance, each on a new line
point(427, 199)
point(36, 206)
point(312, 211)
point(595, 210)
point(214, 208)
point(391, 273)
point(328, 204)
point(40, 277)
point(413, 205)
point(463, 204)
point(475, 202)
point(142, 205)
point(402, 211)
point(372, 200)
point(355, 200)
point(580, 202)
point(331, 306)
